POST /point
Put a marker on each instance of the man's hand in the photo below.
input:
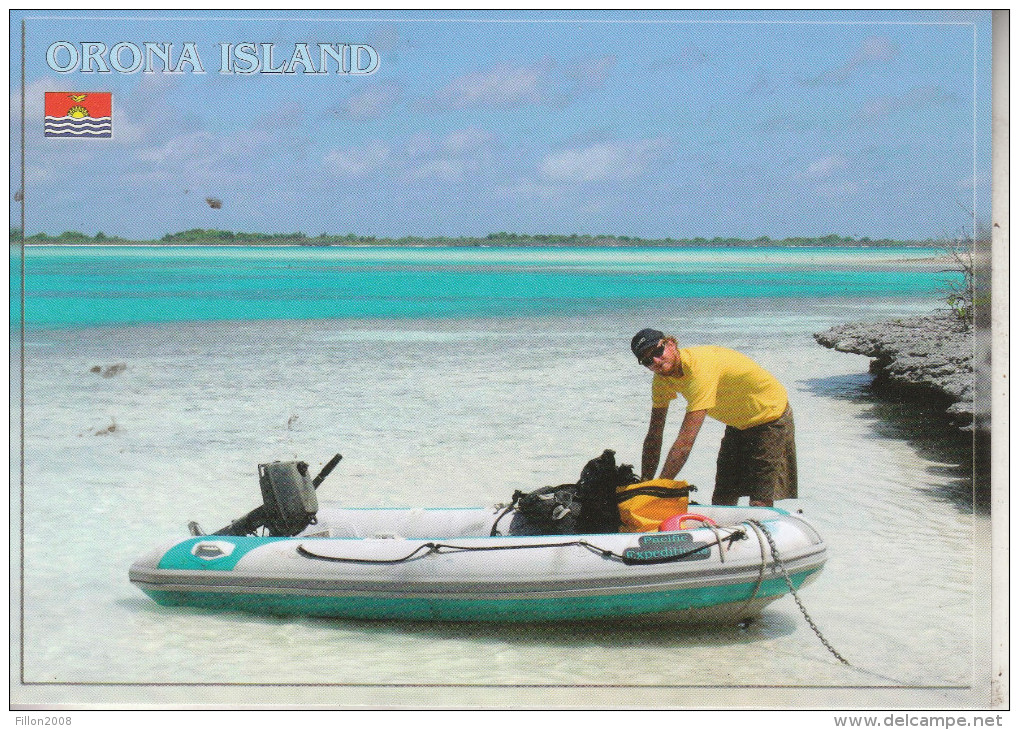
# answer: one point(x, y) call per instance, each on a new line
point(680, 450)
point(653, 443)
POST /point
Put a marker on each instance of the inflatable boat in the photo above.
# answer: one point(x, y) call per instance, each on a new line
point(724, 565)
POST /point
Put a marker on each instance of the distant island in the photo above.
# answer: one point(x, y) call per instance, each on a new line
point(213, 237)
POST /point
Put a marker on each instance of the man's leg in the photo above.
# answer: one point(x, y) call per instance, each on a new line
point(728, 469)
point(771, 461)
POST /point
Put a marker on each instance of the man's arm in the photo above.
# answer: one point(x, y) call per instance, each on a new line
point(653, 443)
point(684, 444)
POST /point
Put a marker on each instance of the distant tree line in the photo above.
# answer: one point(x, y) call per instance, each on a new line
point(66, 237)
point(697, 241)
point(211, 236)
point(202, 235)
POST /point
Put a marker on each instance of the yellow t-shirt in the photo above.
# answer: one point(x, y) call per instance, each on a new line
point(730, 386)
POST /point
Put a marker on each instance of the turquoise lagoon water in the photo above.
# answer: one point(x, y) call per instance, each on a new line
point(452, 377)
point(84, 286)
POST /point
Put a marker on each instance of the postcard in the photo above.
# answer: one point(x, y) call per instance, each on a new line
point(508, 359)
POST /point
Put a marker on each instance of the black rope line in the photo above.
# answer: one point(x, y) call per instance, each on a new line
point(665, 492)
point(430, 548)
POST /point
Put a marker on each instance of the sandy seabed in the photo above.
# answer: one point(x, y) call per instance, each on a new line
point(464, 412)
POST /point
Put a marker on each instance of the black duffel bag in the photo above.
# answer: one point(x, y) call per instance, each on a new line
point(587, 507)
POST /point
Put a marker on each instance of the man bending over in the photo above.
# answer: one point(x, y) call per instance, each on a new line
point(757, 458)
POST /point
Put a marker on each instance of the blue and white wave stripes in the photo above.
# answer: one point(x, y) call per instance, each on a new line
point(88, 127)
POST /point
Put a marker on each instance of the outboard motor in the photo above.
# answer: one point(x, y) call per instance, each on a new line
point(288, 497)
point(289, 502)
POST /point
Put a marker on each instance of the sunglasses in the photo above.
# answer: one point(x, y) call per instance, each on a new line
point(648, 358)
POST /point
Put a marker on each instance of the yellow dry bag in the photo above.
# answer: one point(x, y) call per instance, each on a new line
point(645, 505)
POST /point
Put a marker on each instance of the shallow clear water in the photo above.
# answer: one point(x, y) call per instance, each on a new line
point(451, 411)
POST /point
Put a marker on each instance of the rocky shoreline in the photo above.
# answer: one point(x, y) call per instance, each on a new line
point(926, 356)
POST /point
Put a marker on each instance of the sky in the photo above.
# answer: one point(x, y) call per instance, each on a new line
point(645, 124)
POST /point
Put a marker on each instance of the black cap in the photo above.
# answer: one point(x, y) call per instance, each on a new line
point(645, 340)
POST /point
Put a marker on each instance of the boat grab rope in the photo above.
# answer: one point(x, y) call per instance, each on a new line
point(434, 548)
point(759, 526)
point(437, 548)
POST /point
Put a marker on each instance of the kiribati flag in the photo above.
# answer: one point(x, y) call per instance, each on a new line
point(79, 114)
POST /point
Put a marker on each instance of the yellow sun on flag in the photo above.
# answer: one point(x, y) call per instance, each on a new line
point(77, 112)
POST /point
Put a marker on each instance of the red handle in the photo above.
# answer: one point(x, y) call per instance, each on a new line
point(676, 521)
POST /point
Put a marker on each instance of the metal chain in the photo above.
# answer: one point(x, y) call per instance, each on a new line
point(792, 589)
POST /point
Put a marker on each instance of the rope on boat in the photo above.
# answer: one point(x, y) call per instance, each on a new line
point(435, 548)
point(714, 531)
point(430, 548)
point(757, 525)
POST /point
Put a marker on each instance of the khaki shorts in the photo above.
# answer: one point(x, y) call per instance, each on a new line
point(758, 462)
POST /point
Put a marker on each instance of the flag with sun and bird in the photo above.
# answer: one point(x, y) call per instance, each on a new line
point(79, 115)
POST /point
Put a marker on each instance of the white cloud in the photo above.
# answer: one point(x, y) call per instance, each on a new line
point(420, 157)
point(197, 150)
point(34, 96)
point(529, 190)
point(921, 97)
point(602, 161)
point(373, 102)
point(247, 143)
point(141, 148)
point(504, 85)
point(874, 49)
point(467, 140)
point(420, 144)
point(594, 71)
point(360, 160)
point(508, 85)
point(126, 131)
point(824, 167)
point(445, 170)
point(829, 178)
point(460, 153)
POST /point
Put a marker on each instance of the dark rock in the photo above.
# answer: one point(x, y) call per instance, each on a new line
point(112, 428)
point(932, 354)
point(110, 370)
